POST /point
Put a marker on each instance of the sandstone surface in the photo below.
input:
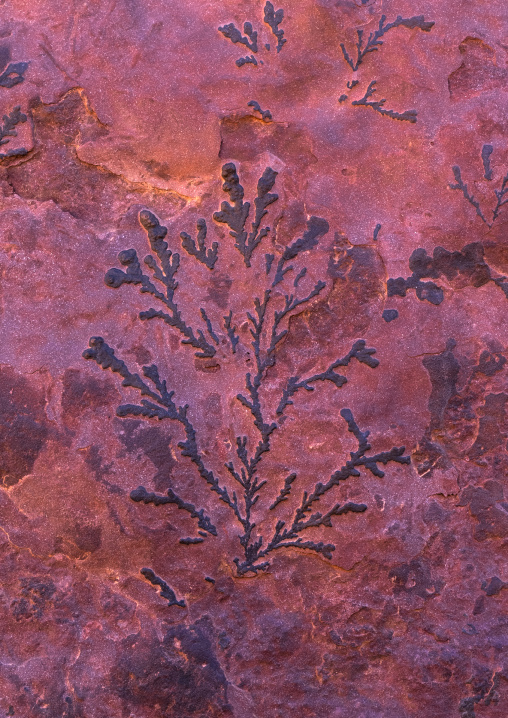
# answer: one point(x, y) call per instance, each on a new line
point(370, 138)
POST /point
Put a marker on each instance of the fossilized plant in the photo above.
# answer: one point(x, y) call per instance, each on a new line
point(373, 44)
point(243, 485)
point(501, 194)
point(272, 18)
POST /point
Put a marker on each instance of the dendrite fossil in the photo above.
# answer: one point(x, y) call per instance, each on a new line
point(469, 264)
point(501, 193)
point(272, 18)
point(235, 214)
point(166, 591)
point(7, 130)
point(268, 329)
point(377, 105)
point(373, 43)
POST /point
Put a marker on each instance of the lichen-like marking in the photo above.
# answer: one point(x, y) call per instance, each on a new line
point(268, 329)
point(501, 194)
point(373, 44)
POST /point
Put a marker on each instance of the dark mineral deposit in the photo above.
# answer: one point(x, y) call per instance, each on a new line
point(253, 359)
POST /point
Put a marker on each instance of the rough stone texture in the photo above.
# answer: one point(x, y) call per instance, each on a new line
point(127, 106)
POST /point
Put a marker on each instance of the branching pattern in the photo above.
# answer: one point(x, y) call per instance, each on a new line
point(197, 248)
point(377, 106)
point(316, 228)
point(209, 326)
point(284, 492)
point(374, 41)
point(501, 193)
point(7, 130)
point(272, 18)
point(166, 591)
point(373, 44)
point(236, 212)
point(358, 352)
point(231, 331)
point(250, 39)
point(244, 485)
point(164, 272)
point(204, 523)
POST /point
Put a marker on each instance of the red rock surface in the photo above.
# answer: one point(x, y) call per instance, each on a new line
point(132, 106)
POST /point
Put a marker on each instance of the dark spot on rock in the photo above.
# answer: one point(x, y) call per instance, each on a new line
point(493, 428)
point(415, 578)
point(467, 267)
point(484, 683)
point(390, 314)
point(452, 417)
point(155, 444)
point(493, 586)
point(486, 505)
point(82, 391)
point(478, 71)
point(94, 461)
point(489, 364)
point(223, 640)
point(434, 513)
point(429, 456)
point(479, 606)
point(218, 290)
point(213, 415)
point(159, 169)
point(141, 354)
point(224, 586)
point(87, 537)
point(35, 594)
point(206, 365)
point(179, 676)
point(23, 425)
point(443, 372)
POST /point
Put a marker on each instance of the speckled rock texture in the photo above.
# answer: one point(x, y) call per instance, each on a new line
point(253, 365)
